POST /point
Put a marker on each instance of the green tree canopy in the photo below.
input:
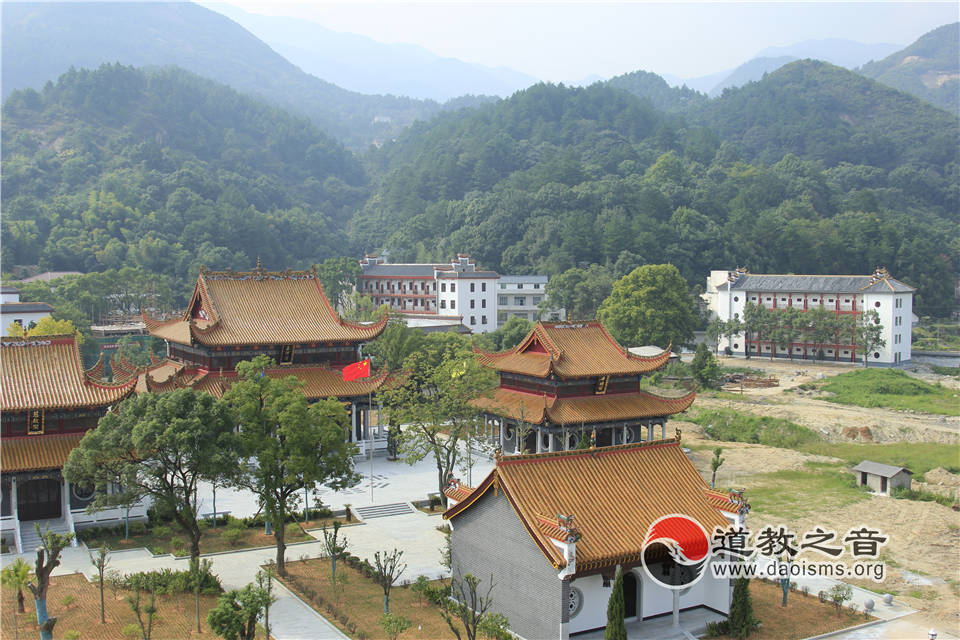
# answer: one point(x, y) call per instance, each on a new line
point(651, 305)
point(159, 445)
point(434, 403)
point(289, 444)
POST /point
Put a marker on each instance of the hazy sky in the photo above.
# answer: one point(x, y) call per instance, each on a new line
point(565, 41)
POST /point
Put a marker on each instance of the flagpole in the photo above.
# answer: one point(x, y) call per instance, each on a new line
point(370, 429)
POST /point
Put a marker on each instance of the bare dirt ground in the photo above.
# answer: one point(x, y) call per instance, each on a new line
point(829, 418)
point(923, 552)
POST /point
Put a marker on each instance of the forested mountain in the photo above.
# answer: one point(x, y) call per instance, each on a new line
point(929, 68)
point(750, 71)
point(359, 63)
point(165, 171)
point(822, 112)
point(43, 40)
point(661, 95)
point(790, 174)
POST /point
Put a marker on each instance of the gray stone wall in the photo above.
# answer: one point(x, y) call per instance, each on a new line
point(488, 538)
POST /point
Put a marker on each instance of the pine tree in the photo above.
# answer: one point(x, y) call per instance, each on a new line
point(742, 622)
point(616, 629)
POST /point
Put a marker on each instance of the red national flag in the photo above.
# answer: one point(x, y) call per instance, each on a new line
point(357, 370)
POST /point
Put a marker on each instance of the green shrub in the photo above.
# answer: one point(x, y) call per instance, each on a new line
point(232, 535)
point(67, 601)
point(162, 531)
point(72, 634)
point(719, 628)
point(946, 371)
point(169, 581)
point(921, 495)
point(138, 528)
point(178, 544)
point(733, 426)
point(131, 630)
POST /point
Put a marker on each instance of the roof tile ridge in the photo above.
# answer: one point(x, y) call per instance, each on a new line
point(96, 371)
point(541, 331)
point(646, 392)
point(202, 288)
point(663, 355)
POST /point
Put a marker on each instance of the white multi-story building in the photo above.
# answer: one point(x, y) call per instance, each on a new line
point(521, 296)
point(728, 292)
point(454, 289)
point(26, 314)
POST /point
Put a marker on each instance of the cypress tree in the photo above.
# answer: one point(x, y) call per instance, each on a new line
point(742, 622)
point(616, 629)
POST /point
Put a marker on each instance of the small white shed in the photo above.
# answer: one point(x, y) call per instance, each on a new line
point(881, 478)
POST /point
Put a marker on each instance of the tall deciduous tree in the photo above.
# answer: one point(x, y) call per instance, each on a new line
point(434, 402)
point(579, 291)
point(650, 305)
point(290, 444)
point(160, 445)
point(868, 334)
point(339, 277)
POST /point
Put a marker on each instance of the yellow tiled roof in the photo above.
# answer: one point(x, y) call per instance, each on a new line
point(534, 409)
point(614, 494)
point(36, 453)
point(318, 382)
point(45, 372)
point(260, 307)
point(571, 350)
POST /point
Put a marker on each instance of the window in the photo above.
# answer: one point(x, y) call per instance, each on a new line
point(520, 286)
point(473, 319)
point(443, 304)
point(483, 286)
point(443, 287)
point(501, 316)
point(877, 304)
point(783, 299)
point(536, 285)
point(829, 299)
point(752, 298)
point(519, 301)
point(473, 287)
point(453, 287)
point(737, 298)
point(483, 303)
point(473, 303)
point(483, 319)
point(453, 304)
point(503, 300)
point(503, 285)
point(537, 299)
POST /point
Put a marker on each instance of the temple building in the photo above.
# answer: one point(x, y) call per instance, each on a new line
point(235, 316)
point(48, 403)
point(550, 530)
point(567, 381)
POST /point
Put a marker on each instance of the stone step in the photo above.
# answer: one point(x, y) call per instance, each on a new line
point(28, 533)
point(383, 510)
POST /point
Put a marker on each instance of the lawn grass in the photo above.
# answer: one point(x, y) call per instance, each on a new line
point(953, 372)
point(361, 601)
point(804, 616)
point(794, 493)
point(919, 457)
point(893, 389)
point(176, 612)
point(212, 540)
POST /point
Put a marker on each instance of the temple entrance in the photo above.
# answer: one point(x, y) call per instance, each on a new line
point(39, 499)
point(629, 595)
